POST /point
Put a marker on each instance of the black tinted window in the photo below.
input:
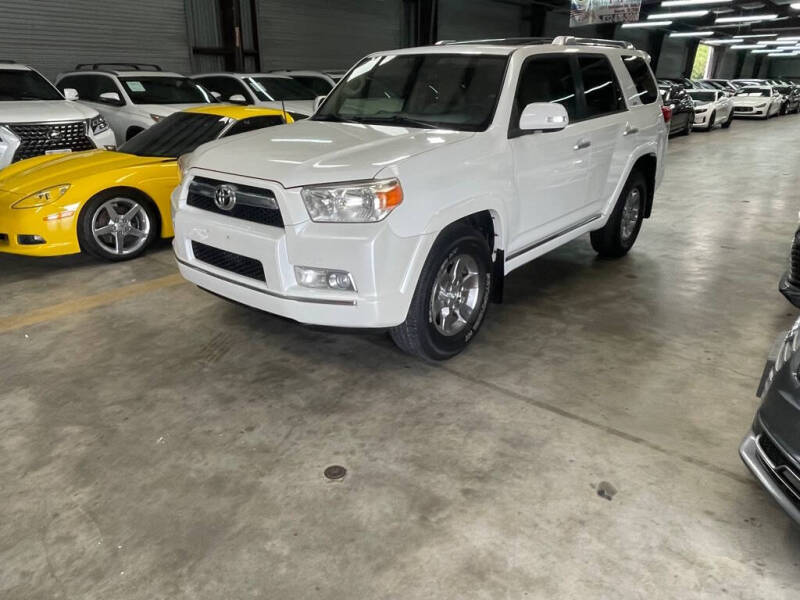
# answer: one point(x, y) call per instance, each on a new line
point(320, 86)
point(178, 134)
point(165, 90)
point(547, 79)
point(225, 87)
point(643, 79)
point(89, 87)
point(600, 87)
point(254, 123)
point(271, 89)
point(21, 84)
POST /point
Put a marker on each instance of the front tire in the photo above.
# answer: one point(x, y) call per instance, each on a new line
point(117, 225)
point(728, 121)
point(451, 297)
point(712, 121)
point(688, 129)
point(618, 235)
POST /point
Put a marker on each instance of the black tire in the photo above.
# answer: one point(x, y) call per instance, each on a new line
point(86, 219)
point(728, 121)
point(688, 129)
point(419, 334)
point(712, 121)
point(609, 241)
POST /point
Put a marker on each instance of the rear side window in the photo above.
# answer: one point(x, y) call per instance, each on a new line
point(226, 87)
point(646, 88)
point(600, 88)
point(547, 79)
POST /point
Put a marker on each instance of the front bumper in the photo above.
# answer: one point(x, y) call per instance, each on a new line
point(756, 112)
point(60, 236)
point(769, 475)
point(383, 265)
point(702, 120)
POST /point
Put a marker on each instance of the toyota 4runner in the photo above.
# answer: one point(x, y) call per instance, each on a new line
point(425, 177)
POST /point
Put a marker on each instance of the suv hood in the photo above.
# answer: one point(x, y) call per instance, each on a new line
point(311, 152)
point(44, 111)
point(750, 100)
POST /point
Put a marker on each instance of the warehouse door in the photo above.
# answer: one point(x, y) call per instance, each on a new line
point(224, 35)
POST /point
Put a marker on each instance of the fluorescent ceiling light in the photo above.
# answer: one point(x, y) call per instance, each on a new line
point(783, 54)
point(757, 35)
point(762, 51)
point(786, 38)
point(745, 46)
point(747, 18)
point(646, 24)
point(677, 15)
point(669, 3)
point(776, 43)
point(795, 5)
point(719, 42)
point(686, 34)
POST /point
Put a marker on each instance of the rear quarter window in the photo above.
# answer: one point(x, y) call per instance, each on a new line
point(642, 76)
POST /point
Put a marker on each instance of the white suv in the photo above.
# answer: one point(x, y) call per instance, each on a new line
point(131, 100)
point(426, 176)
point(36, 119)
point(262, 89)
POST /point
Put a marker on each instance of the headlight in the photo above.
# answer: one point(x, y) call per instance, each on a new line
point(361, 202)
point(701, 110)
point(42, 197)
point(761, 105)
point(156, 118)
point(98, 124)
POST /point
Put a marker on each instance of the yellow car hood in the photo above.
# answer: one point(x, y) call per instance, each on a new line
point(35, 174)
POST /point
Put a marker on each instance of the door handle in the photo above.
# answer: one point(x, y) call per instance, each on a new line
point(582, 144)
point(630, 130)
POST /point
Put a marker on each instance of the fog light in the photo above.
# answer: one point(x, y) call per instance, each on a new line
point(324, 278)
point(30, 240)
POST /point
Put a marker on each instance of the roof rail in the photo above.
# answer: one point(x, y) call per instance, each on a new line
point(132, 66)
point(510, 41)
point(568, 40)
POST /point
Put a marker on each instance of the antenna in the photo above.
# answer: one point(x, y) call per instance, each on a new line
point(283, 108)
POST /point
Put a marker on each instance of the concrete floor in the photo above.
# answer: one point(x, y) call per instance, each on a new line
point(156, 442)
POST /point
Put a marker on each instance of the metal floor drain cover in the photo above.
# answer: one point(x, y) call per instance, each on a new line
point(335, 472)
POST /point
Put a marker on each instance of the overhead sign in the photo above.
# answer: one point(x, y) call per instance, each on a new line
point(592, 12)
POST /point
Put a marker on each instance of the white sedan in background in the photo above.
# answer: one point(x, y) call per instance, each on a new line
point(711, 107)
point(760, 102)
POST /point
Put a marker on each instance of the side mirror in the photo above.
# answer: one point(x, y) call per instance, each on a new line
point(111, 98)
point(216, 95)
point(70, 94)
point(543, 116)
point(318, 102)
point(238, 99)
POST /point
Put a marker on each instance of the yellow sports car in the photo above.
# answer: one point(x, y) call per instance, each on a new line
point(112, 204)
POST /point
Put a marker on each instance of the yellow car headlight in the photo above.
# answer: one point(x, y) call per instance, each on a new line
point(42, 197)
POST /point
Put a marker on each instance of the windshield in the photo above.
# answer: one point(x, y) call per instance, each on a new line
point(752, 91)
point(703, 96)
point(270, 89)
point(178, 134)
point(165, 90)
point(452, 91)
point(18, 84)
point(320, 86)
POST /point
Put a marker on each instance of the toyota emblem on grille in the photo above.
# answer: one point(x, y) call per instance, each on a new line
point(225, 197)
point(55, 134)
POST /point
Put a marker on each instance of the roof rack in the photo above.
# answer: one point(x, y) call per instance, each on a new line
point(513, 41)
point(132, 66)
point(568, 40)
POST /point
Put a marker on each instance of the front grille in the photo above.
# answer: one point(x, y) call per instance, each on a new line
point(37, 138)
point(778, 458)
point(235, 263)
point(743, 109)
point(794, 261)
point(257, 205)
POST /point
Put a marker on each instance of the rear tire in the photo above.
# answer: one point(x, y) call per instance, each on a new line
point(712, 121)
point(728, 121)
point(451, 297)
point(618, 235)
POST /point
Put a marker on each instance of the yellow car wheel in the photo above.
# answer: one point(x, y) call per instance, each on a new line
point(118, 224)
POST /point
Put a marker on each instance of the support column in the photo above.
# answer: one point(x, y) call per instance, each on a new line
point(691, 54)
point(655, 51)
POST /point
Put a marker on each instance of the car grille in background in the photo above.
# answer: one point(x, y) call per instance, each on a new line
point(235, 263)
point(776, 456)
point(37, 138)
point(254, 204)
point(743, 109)
point(794, 260)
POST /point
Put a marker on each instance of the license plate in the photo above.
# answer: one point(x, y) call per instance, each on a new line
point(59, 151)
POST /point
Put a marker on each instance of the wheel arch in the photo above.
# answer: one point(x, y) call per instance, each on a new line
point(648, 165)
point(122, 190)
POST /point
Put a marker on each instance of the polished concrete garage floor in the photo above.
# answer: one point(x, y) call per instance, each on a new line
point(156, 442)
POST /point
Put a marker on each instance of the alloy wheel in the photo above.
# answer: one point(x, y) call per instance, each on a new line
point(456, 293)
point(630, 213)
point(121, 226)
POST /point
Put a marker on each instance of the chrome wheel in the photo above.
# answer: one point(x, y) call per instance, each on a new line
point(120, 226)
point(630, 213)
point(456, 292)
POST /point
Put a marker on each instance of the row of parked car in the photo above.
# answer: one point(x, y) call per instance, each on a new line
point(702, 104)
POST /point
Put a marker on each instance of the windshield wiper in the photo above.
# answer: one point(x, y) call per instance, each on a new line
point(334, 119)
point(403, 120)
